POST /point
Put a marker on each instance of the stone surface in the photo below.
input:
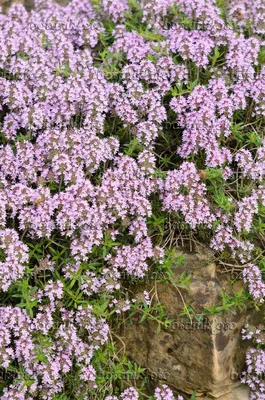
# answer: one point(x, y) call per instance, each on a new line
point(188, 356)
point(5, 4)
point(240, 393)
point(29, 4)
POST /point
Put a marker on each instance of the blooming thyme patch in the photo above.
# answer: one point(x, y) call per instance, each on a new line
point(118, 121)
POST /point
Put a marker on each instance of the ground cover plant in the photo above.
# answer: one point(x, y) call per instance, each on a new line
point(126, 127)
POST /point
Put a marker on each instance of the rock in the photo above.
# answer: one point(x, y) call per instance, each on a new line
point(7, 3)
point(240, 393)
point(29, 4)
point(188, 356)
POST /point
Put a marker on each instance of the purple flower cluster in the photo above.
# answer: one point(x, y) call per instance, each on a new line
point(255, 360)
point(183, 191)
point(244, 13)
point(127, 394)
point(254, 169)
point(252, 276)
point(16, 256)
point(165, 393)
point(67, 349)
